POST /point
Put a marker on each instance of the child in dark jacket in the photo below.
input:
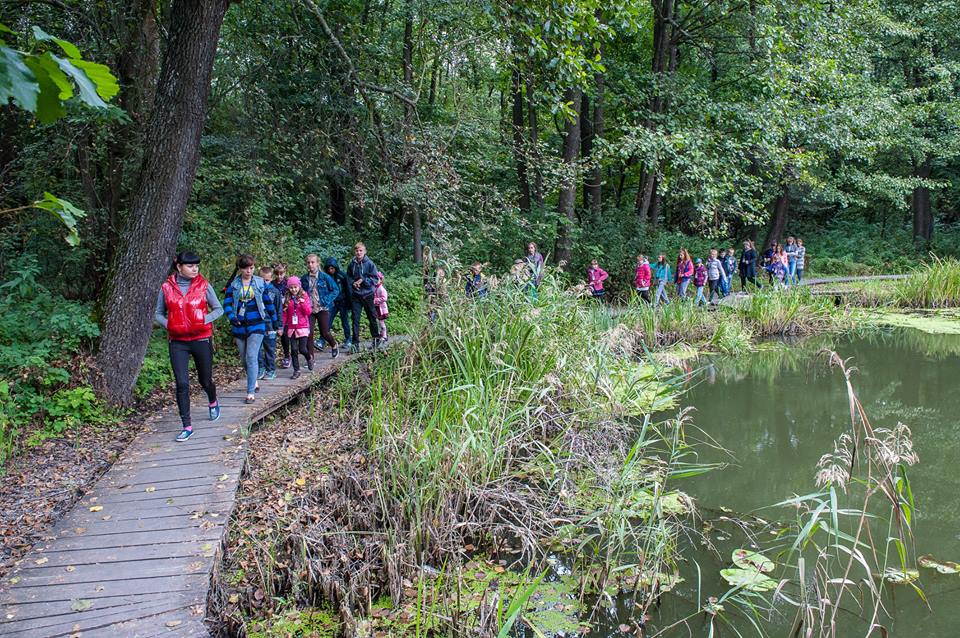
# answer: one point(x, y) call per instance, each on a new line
point(268, 348)
point(343, 305)
point(280, 281)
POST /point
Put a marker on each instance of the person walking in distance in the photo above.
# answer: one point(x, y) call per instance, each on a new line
point(186, 307)
point(251, 316)
point(362, 274)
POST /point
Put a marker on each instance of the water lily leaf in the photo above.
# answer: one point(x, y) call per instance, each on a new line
point(900, 577)
point(749, 579)
point(942, 566)
point(747, 559)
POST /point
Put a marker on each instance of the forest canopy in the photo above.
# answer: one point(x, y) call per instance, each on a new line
point(597, 129)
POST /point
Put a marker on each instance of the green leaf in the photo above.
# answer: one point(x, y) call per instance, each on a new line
point(49, 103)
point(107, 86)
point(66, 212)
point(88, 91)
point(68, 48)
point(81, 604)
point(746, 559)
point(749, 579)
point(17, 80)
point(900, 576)
point(942, 566)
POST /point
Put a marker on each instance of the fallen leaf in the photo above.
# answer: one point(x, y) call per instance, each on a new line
point(14, 580)
point(41, 561)
point(70, 568)
point(223, 478)
point(80, 530)
point(150, 489)
point(173, 623)
point(81, 604)
point(106, 518)
point(234, 599)
point(301, 481)
point(96, 508)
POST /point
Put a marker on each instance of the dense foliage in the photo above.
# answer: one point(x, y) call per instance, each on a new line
point(453, 121)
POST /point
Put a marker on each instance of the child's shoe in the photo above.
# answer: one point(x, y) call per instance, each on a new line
point(184, 435)
point(310, 364)
point(320, 345)
point(285, 364)
point(215, 411)
point(334, 353)
point(271, 375)
point(261, 375)
point(296, 374)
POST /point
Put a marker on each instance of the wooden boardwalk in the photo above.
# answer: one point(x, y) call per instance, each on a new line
point(134, 557)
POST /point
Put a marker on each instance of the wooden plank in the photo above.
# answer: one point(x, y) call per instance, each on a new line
point(74, 623)
point(93, 591)
point(176, 549)
point(116, 571)
point(174, 534)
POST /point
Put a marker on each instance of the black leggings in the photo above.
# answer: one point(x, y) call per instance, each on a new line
point(367, 304)
point(322, 320)
point(202, 352)
point(299, 345)
point(285, 342)
point(714, 289)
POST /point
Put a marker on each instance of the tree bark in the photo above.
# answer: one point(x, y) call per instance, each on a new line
point(595, 177)
point(778, 217)
point(586, 144)
point(920, 206)
point(533, 130)
point(566, 203)
point(408, 122)
point(519, 142)
point(166, 178)
point(663, 62)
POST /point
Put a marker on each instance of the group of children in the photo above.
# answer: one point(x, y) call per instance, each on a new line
point(711, 278)
point(260, 309)
point(276, 306)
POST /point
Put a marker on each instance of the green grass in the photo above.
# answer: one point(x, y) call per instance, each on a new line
point(933, 285)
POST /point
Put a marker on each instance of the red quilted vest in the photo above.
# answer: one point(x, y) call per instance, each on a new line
point(185, 313)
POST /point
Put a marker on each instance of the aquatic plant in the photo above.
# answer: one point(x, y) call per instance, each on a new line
point(494, 430)
point(935, 284)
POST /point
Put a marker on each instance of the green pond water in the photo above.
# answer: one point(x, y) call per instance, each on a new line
point(775, 413)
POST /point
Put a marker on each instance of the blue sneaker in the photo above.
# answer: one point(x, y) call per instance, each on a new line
point(184, 435)
point(215, 411)
point(271, 375)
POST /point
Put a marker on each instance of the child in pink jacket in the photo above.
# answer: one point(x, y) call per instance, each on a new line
point(380, 303)
point(595, 277)
point(296, 323)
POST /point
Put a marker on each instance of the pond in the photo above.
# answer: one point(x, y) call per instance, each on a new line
point(775, 412)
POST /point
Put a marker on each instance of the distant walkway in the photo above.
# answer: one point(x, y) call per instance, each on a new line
point(135, 556)
point(817, 281)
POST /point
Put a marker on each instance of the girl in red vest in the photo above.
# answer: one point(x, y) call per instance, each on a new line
point(187, 306)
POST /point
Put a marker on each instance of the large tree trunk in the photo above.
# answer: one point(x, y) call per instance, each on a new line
point(408, 122)
point(778, 217)
point(519, 141)
point(595, 177)
point(663, 62)
point(920, 206)
point(166, 178)
point(586, 144)
point(533, 130)
point(566, 204)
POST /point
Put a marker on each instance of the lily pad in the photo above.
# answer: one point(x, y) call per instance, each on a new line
point(749, 579)
point(900, 577)
point(942, 566)
point(747, 559)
